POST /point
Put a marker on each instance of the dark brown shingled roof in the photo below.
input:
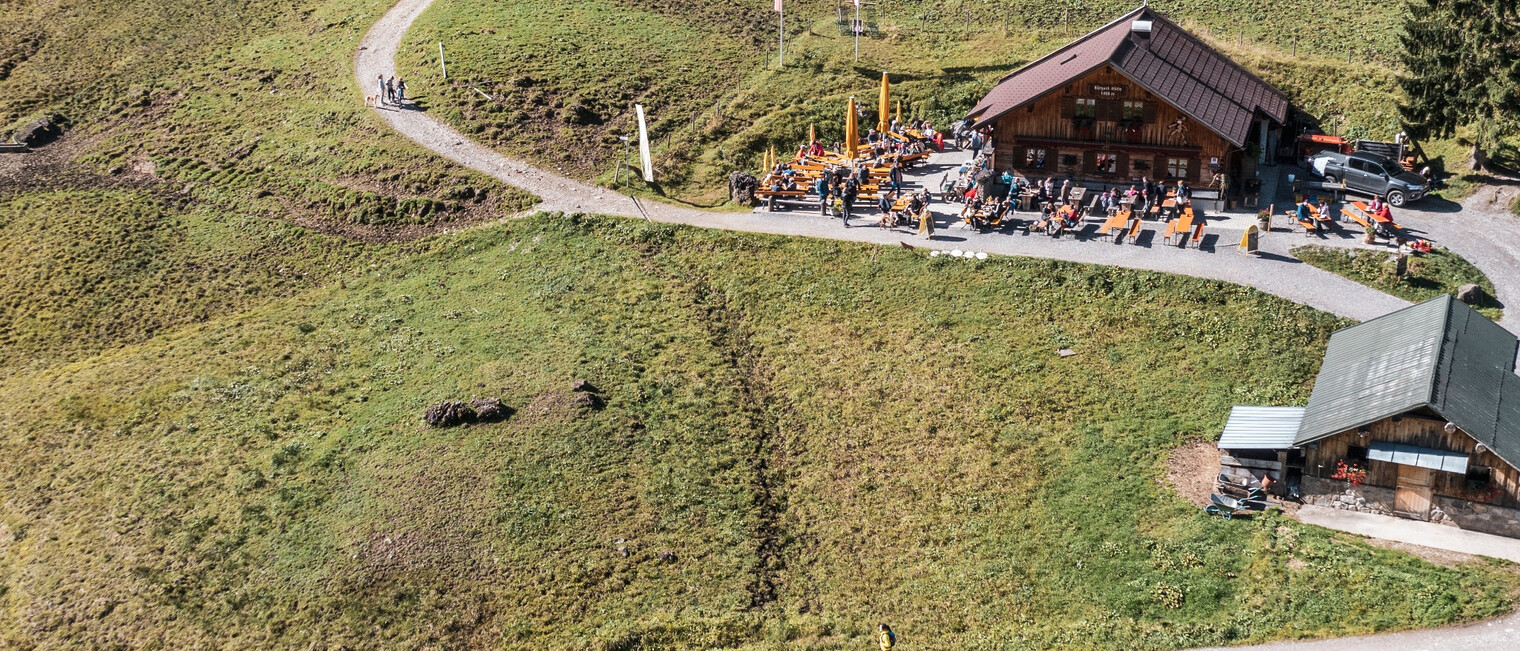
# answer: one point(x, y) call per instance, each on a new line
point(1171, 64)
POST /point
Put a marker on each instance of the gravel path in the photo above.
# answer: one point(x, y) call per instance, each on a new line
point(1274, 272)
point(1490, 238)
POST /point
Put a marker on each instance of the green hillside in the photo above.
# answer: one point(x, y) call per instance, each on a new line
point(823, 435)
point(562, 77)
point(207, 140)
point(228, 294)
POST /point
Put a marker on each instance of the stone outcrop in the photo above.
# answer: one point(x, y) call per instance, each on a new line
point(742, 187)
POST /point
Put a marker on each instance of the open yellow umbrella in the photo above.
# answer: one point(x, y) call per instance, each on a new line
point(885, 107)
point(851, 131)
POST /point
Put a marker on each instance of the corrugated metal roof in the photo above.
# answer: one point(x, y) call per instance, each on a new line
point(1172, 64)
point(1375, 370)
point(1440, 354)
point(1261, 428)
point(1409, 455)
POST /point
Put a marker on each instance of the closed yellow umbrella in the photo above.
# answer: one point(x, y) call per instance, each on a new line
point(851, 131)
point(899, 112)
point(812, 134)
point(885, 107)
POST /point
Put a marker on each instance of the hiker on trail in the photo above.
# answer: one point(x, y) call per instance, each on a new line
point(380, 94)
point(400, 92)
point(390, 89)
point(976, 143)
point(821, 186)
point(886, 637)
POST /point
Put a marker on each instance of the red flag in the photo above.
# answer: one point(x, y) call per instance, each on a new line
point(778, 6)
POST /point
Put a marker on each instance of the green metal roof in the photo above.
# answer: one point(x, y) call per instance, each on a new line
point(1441, 355)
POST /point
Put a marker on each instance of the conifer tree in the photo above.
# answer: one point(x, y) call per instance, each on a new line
point(1462, 69)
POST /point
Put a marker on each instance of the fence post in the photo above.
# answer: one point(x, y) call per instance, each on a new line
point(1295, 45)
point(440, 61)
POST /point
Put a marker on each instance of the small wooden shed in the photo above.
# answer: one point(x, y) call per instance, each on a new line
point(1417, 414)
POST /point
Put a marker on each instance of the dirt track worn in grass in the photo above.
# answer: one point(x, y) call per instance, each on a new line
point(821, 435)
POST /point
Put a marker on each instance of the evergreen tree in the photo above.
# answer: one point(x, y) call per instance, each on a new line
point(1462, 68)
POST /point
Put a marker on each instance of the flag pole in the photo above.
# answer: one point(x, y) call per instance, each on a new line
point(856, 28)
point(781, 52)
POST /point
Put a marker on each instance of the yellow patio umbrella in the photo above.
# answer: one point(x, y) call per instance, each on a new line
point(885, 107)
point(851, 131)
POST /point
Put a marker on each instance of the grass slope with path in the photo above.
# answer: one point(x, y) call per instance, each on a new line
point(555, 81)
point(207, 141)
point(824, 435)
point(1429, 275)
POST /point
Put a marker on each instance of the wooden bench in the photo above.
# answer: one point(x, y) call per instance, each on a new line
point(12, 148)
point(1171, 231)
point(1134, 228)
point(1198, 234)
point(1356, 216)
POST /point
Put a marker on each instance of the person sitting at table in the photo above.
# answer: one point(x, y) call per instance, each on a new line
point(1039, 163)
point(1071, 217)
point(791, 184)
point(1375, 206)
point(776, 185)
point(915, 203)
point(1380, 209)
point(1001, 208)
point(1322, 214)
point(816, 149)
point(1184, 194)
point(1305, 212)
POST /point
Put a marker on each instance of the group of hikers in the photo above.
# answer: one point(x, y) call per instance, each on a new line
point(390, 91)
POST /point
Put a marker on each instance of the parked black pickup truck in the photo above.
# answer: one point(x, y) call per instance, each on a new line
point(1371, 174)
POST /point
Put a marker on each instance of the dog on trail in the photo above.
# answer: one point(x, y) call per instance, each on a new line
point(371, 101)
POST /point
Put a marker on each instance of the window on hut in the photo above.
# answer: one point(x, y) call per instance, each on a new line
point(1132, 111)
point(1176, 168)
point(1087, 108)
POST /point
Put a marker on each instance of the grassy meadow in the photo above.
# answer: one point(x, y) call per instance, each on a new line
point(228, 294)
point(823, 435)
point(562, 77)
point(246, 106)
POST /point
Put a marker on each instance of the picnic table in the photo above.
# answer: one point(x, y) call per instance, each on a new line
point(1188, 223)
point(1381, 219)
point(1076, 195)
point(1118, 220)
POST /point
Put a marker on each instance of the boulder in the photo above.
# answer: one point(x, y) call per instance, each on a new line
point(449, 414)
point(1470, 294)
point(742, 187)
point(41, 131)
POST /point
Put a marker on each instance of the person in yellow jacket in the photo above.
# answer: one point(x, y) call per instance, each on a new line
point(887, 637)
